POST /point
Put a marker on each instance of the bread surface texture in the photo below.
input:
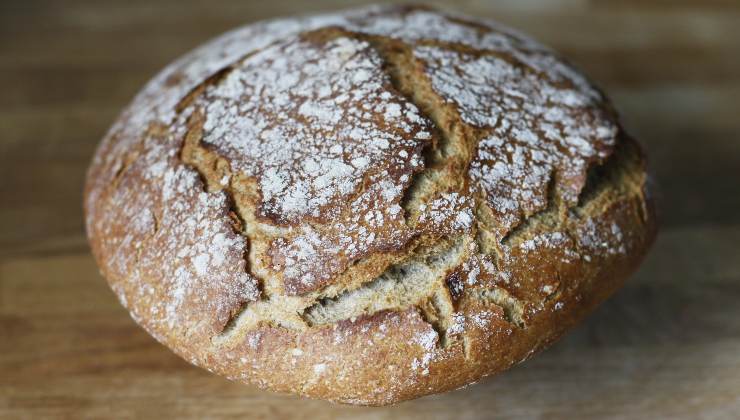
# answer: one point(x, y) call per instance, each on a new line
point(368, 206)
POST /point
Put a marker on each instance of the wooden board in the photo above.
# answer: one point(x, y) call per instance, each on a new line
point(666, 346)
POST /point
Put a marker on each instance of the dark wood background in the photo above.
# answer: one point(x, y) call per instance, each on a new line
point(666, 346)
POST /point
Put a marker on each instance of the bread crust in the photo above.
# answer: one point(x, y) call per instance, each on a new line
point(366, 207)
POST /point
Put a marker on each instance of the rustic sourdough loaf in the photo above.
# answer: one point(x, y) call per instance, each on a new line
point(366, 207)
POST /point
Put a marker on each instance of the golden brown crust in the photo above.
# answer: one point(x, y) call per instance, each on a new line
point(366, 207)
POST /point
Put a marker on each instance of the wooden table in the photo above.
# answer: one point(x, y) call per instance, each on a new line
point(666, 346)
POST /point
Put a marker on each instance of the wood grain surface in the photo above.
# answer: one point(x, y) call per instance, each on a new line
point(666, 346)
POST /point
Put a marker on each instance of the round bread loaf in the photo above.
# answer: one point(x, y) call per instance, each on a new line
point(366, 207)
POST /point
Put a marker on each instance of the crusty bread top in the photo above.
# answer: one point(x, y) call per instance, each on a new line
point(303, 172)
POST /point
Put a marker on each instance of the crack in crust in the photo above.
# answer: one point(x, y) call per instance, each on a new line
point(419, 281)
point(415, 280)
point(447, 159)
point(550, 216)
point(614, 174)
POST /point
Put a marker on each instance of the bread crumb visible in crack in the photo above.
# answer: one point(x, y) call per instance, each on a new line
point(513, 307)
point(398, 287)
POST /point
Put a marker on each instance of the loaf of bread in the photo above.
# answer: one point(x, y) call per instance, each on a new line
point(366, 207)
